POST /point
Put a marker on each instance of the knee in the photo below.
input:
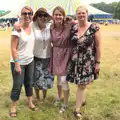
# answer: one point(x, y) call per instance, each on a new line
point(62, 82)
point(65, 85)
point(58, 82)
point(17, 87)
point(82, 87)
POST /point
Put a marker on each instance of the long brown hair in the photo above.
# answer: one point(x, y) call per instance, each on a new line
point(62, 11)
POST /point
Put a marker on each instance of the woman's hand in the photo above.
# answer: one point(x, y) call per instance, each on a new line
point(17, 26)
point(18, 69)
point(68, 20)
point(97, 68)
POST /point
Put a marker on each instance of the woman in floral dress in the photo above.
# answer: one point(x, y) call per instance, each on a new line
point(85, 64)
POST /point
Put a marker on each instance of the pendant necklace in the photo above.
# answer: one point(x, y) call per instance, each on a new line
point(43, 33)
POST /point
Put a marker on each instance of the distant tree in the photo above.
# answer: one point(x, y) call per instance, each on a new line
point(117, 11)
point(109, 8)
point(113, 6)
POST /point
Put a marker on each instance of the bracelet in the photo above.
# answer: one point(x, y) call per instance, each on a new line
point(16, 60)
point(98, 62)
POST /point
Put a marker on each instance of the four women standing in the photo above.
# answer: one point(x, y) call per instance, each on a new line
point(84, 66)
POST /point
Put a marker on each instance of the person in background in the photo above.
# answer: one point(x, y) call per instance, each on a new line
point(86, 55)
point(22, 64)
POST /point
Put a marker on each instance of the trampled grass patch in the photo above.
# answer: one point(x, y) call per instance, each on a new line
point(103, 99)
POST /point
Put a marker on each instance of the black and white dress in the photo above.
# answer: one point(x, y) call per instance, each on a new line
point(82, 67)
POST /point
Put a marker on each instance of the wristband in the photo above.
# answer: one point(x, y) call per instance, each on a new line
point(98, 62)
point(16, 60)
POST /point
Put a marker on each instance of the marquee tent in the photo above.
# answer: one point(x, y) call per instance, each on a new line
point(69, 6)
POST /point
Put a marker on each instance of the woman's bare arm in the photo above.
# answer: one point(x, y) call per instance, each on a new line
point(14, 52)
point(98, 39)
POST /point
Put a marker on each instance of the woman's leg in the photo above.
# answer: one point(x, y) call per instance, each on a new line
point(65, 88)
point(44, 95)
point(37, 93)
point(16, 89)
point(28, 82)
point(80, 96)
point(59, 90)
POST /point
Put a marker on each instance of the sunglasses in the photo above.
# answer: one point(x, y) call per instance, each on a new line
point(27, 13)
point(42, 15)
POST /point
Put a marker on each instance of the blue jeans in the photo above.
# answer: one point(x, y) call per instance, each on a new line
point(26, 78)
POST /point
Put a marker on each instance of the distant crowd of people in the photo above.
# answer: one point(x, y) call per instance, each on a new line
point(44, 46)
point(4, 24)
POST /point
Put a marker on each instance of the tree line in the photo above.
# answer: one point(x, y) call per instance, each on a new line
point(113, 8)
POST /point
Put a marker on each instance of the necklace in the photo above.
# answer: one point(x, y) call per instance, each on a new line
point(43, 34)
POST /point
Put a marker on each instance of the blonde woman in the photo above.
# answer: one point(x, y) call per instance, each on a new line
point(86, 56)
point(22, 65)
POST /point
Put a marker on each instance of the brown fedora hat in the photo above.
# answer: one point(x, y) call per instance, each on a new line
point(43, 10)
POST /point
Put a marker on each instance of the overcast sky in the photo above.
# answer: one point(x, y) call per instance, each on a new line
point(13, 4)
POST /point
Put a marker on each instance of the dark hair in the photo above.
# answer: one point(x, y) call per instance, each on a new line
point(27, 8)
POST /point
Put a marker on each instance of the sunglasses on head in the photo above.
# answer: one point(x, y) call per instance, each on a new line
point(42, 15)
point(27, 13)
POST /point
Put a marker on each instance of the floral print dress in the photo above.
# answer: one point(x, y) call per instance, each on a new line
point(82, 67)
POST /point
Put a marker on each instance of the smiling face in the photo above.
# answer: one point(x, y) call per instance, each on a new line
point(26, 15)
point(42, 18)
point(58, 15)
point(82, 14)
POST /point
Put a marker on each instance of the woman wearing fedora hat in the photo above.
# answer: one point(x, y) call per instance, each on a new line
point(42, 51)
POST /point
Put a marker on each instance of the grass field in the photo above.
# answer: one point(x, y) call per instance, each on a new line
point(103, 96)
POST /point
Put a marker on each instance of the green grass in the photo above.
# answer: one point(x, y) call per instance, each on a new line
point(103, 99)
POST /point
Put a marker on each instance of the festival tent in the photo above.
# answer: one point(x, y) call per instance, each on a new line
point(2, 12)
point(69, 6)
